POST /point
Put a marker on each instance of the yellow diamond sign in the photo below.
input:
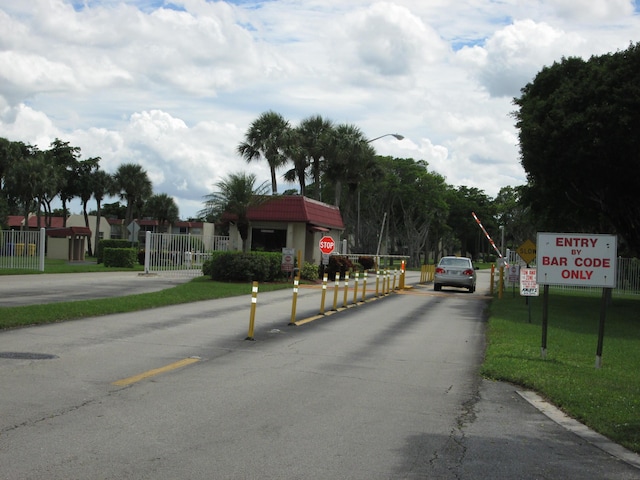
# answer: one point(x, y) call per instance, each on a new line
point(527, 251)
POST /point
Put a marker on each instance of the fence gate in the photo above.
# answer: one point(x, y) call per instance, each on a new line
point(22, 250)
point(181, 255)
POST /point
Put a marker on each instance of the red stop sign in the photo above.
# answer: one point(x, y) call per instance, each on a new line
point(327, 244)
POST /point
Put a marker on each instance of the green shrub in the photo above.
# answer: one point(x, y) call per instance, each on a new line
point(110, 243)
point(119, 257)
point(243, 267)
point(309, 271)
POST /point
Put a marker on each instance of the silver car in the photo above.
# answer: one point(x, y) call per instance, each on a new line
point(455, 272)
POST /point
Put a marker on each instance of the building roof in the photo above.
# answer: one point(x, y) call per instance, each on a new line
point(69, 232)
point(295, 208)
point(32, 222)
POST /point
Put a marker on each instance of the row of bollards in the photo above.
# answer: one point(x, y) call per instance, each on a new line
point(381, 290)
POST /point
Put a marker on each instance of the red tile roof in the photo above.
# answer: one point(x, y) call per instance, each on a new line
point(16, 221)
point(294, 208)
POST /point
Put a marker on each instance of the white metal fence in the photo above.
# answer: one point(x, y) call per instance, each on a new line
point(179, 254)
point(628, 272)
point(22, 250)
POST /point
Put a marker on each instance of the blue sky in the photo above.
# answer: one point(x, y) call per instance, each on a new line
point(175, 85)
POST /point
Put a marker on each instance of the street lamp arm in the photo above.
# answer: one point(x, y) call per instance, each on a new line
point(397, 136)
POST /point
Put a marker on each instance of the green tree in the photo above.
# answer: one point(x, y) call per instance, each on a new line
point(132, 184)
point(267, 138)
point(163, 208)
point(578, 122)
point(348, 158)
point(101, 186)
point(515, 216)
point(236, 194)
point(314, 133)
point(24, 179)
point(84, 189)
point(466, 235)
point(66, 160)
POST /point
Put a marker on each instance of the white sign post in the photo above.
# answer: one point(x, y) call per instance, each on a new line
point(576, 259)
point(528, 286)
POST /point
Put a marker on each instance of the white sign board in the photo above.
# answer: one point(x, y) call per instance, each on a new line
point(514, 273)
point(576, 259)
point(288, 259)
point(528, 284)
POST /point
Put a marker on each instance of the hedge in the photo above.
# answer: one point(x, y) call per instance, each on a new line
point(243, 267)
point(120, 257)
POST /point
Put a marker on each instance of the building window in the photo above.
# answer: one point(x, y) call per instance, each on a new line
point(268, 240)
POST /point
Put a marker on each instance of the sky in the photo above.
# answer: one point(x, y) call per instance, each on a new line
point(174, 85)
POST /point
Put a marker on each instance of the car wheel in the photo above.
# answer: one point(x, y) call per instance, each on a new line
point(437, 287)
point(472, 288)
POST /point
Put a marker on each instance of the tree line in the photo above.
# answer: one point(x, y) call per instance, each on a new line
point(382, 199)
point(31, 179)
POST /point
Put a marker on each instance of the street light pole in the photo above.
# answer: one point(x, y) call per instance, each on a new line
point(397, 136)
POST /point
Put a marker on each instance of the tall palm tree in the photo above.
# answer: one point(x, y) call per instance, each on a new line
point(348, 156)
point(101, 185)
point(163, 208)
point(314, 133)
point(236, 194)
point(66, 159)
point(298, 155)
point(84, 188)
point(266, 138)
point(133, 185)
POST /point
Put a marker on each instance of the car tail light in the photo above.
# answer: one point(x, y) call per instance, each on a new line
point(468, 272)
point(439, 270)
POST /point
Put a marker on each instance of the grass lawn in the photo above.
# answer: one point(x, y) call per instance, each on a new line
point(201, 288)
point(605, 399)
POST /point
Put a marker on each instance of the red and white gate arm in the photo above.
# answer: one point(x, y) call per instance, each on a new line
point(487, 235)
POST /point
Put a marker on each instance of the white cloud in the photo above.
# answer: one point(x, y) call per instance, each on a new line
point(174, 88)
point(513, 55)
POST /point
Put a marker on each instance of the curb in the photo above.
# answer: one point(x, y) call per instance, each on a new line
point(594, 438)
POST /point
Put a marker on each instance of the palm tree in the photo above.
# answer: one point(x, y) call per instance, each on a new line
point(163, 208)
point(348, 156)
point(314, 132)
point(297, 154)
point(84, 188)
point(102, 185)
point(266, 138)
point(133, 185)
point(65, 157)
point(235, 196)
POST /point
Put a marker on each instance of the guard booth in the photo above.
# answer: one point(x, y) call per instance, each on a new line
point(69, 243)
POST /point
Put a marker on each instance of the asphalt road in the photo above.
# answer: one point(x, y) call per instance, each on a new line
point(388, 389)
point(17, 290)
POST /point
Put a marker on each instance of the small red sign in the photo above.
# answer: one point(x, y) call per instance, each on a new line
point(327, 244)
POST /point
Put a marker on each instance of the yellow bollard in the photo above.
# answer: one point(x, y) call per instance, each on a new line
point(296, 282)
point(252, 317)
point(402, 275)
point(395, 275)
point(384, 283)
point(346, 289)
point(364, 286)
point(355, 289)
point(335, 291)
point(493, 271)
point(377, 283)
point(324, 293)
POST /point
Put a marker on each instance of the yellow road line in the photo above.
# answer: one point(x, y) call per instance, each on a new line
point(157, 371)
